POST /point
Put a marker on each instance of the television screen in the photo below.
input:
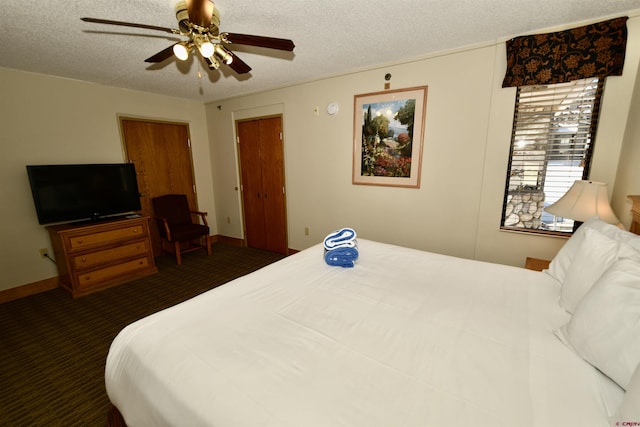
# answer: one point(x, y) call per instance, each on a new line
point(64, 193)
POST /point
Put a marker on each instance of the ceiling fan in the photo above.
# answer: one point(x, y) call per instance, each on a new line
point(199, 20)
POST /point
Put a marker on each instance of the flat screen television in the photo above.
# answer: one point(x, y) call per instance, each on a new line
point(67, 193)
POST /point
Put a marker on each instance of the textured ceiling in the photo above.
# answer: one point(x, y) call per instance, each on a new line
point(331, 37)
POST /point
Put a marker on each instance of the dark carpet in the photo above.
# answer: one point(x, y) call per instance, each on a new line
point(53, 347)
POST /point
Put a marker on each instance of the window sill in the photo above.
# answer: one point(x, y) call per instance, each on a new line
point(559, 234)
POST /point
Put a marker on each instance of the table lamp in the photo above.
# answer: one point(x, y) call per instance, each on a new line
point(584, 200)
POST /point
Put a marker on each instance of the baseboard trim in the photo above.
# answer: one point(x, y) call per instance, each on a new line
point(241, 242)
point(28, 289)
point(52, 282)
point(228, 240)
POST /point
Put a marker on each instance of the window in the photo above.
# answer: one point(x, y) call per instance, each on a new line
point(552, 141)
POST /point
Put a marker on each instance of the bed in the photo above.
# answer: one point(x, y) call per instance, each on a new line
point(404, 338)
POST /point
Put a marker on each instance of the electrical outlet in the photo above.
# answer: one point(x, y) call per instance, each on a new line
point(44, 253)
point(228, 220)
point(306, 231)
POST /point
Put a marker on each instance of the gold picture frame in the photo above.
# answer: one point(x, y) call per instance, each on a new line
point(388, 129)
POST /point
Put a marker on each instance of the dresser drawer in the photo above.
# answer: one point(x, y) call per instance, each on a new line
point(95, 277)
point(104, 256)
point(104, 237)
point(98, 255)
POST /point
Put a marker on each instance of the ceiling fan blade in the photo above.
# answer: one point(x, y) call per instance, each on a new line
point(260, 41)
point(238, 65)
point(200, 12)
point(164, 54)
point(131, 24)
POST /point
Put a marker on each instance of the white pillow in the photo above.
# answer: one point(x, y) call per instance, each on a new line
point(565, 256)
point(594, 255)
point(605, 329)
point(629, 410)
point(562, 261)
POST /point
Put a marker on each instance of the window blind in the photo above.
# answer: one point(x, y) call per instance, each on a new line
point(551, 146)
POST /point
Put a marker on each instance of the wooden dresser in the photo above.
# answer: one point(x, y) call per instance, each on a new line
point(95, 256)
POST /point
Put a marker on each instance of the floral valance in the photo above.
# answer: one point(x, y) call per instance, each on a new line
point(595, 50)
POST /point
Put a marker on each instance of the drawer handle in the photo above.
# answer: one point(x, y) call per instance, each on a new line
point(135, 230)
point(87, 277)
point(80, 241)
point(83, 259)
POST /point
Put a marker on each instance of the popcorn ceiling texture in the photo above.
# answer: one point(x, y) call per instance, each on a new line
point(332, 37)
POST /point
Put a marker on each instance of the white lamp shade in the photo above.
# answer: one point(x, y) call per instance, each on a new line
point(584, 200)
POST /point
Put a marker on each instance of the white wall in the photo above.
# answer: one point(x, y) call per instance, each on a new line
point(51, 120)
point(466, 147)
point(628, 177)
point(615, 116)
point(46, 120)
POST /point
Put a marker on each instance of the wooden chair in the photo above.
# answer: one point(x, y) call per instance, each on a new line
point(176, 225)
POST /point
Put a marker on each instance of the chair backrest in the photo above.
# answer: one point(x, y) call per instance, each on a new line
point(173, 207)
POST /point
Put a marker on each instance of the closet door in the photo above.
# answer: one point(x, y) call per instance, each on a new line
point(162, 155)
point(271, 153)
point(262, 174)
point(252, 198)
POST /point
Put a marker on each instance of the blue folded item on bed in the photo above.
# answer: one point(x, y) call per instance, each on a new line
point(342, 256)
point(345, 237)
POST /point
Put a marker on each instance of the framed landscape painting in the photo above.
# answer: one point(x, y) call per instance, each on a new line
point(388, 129)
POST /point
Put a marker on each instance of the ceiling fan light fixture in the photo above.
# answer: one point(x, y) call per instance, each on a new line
point(180, 51)
point(223, 54)
point(215, 16)
point(205, 47)
point(182, 15)
point(198, 22)
point(213, 63)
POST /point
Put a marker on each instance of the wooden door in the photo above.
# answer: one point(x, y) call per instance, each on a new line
point(272, 155)
point(262, 174)
point(161, 153)
point(251, 175)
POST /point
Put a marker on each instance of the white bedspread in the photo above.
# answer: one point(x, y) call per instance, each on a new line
point(405, 338)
